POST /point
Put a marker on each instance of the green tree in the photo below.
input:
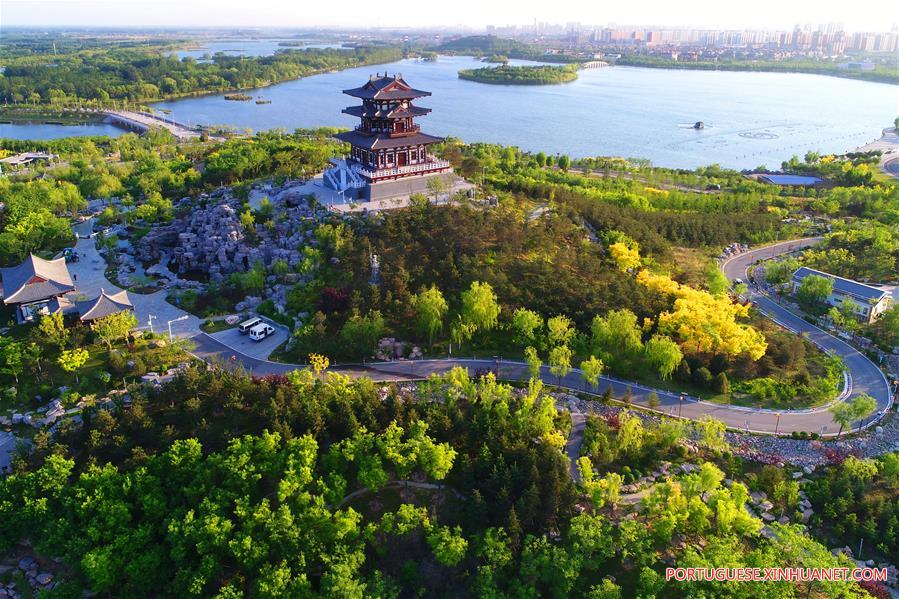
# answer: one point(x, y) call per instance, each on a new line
point(361, 333)
point(71, 360)
point(534, 362)
point(710, 433)
point(564, 162)
point(12, 357)
point(814, 290)
point(722, 385)
point(863, 405)
point(525, 324)
point(560, 361)
point(53, 330)
point(430, 308)
point(786, 495)
point(663, 354)
point(448, 544)
point(480, 307)
point(617, 339)
point(842, 414)
point(248, 222)
point(886, 328)
point(653, 400)
point(559, 330)
point(591, 369)
point(114, 326)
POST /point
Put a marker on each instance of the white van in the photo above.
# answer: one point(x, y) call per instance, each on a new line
point(246, 325)
point(261, 331)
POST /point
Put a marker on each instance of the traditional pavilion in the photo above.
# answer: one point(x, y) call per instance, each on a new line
point(104, 305)
point(36, 286)
point(389, 153)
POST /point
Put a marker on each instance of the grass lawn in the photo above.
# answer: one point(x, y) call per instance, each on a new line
point(215, 326)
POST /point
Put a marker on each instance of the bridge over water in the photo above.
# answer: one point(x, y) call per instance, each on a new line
point(143, 121)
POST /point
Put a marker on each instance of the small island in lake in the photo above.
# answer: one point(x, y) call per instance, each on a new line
point(525, 75)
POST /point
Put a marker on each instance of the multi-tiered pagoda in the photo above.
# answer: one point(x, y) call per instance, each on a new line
point(389, 153)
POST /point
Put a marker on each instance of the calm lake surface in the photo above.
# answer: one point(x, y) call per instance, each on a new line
point(45, 131)
point(751, 118)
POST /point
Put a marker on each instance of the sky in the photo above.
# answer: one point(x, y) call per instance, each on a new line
point(873, 15)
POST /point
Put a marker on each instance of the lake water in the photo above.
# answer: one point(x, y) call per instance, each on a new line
point(45, 131)
point(751, 118)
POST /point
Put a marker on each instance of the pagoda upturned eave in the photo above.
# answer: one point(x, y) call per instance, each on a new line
point(386, 88)
point(379, 142)
point(364, 94)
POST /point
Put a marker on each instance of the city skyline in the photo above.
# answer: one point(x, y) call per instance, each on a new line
point(699, 14)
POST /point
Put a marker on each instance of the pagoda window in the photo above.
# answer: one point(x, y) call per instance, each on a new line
point(414, 156)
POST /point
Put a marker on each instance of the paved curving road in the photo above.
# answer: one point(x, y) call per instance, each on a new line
point(865, 377)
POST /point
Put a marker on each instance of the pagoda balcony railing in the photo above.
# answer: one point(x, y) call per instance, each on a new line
point(402, 170)
point(407, 131)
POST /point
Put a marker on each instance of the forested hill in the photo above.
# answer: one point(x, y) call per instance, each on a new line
point(506, 75)
point(139, 75)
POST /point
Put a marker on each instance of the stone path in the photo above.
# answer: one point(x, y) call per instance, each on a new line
point(89, 274)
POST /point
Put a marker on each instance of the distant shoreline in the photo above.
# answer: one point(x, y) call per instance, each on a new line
point(786, 67)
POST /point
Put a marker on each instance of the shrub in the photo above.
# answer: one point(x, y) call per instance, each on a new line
point(702, 376)
point(138, 368)
point(117, 362)
point(722, 385)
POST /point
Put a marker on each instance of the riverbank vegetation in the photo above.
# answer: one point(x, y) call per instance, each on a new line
point(98, 78)
point(521, 75)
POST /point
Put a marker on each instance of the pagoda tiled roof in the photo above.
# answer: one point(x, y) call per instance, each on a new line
point(397, 112)
point(35, 279)
point(386, 88)
point(381, 142)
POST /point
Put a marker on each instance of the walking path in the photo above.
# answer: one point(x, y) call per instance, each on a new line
point(90, 277)
point(888, 144)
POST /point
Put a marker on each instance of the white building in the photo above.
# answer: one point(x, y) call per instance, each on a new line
point(867, 302)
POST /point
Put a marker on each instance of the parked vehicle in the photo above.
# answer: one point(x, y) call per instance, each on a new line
point(261, 331)
point(70, 255)
point(246, 325)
